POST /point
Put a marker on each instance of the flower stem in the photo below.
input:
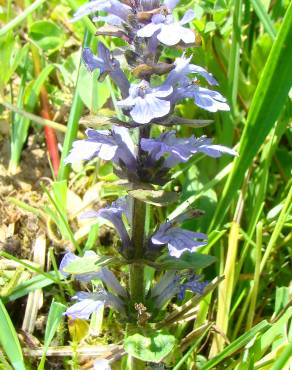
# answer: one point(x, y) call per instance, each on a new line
point(138, 234)
point(137, 269)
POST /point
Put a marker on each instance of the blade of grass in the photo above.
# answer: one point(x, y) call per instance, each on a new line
point(264, 18)
point(64, 221)
point(278, 227)
point(256, 280)
point(40, 121)
point(283, 359)
point(54, 318)
point(21, 17)
point(267, 104)
point(262, 179)
point(235, 346)
point(9, 340)
point(190, 351)
point(187, 203)
point(74, 117)
point(234, 58)
point(225, 290)
point(20, 128)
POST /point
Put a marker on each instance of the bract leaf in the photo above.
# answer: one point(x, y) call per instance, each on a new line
point(194, 261)
point(157, 197)
point(85, 265)
point(153, 346)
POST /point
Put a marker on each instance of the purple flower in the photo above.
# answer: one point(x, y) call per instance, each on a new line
point(115, 145)
point(101, 365)
point(69, 257)
point(107, 65)
point(103, 273)
point(173, 283)
point(113, 213)
point(181, 150)
point(144, 102)
point(184, 68)
point(178, 240)
point(89, 303)
point(209, 100)
point(169, 32)
point(194, 285)
point(111, 6)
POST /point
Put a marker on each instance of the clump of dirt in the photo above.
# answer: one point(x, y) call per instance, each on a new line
point(19, 228)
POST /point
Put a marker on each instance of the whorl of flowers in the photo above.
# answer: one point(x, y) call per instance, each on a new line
point(149, 97)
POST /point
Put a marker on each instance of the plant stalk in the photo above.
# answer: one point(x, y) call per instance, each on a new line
point(136, 270)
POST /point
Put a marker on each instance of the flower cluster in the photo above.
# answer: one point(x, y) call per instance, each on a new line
point(148, 97)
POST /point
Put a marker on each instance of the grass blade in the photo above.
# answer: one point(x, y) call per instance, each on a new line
point(283, 358)
point(233, 67)
point(54, 318)
point(9, 340)
point(236, 345)
point(264, 18)
point(16, 21)
point(72, 126)
point(267, 104)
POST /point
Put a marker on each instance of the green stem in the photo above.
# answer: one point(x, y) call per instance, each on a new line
point(137, 287)
point(137, 269)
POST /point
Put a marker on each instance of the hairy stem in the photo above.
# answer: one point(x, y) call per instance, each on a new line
point(137, 269)
point(137, 288)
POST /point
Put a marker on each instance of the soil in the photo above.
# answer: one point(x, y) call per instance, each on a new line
point(19, 228)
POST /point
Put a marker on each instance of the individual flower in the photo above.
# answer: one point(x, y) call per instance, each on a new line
point(113, 214)
point(114, 7)
point(209, 100)
point(178, 240)
point(101, 365)
point(70, 257)
point(181, 150)
point(89, 303)
point(193, 284)
point(106, 65)
point(176, 283)
point(115, 145)
point(183, 67)
point(146, 103)
point(103, 273)
point(168, 31)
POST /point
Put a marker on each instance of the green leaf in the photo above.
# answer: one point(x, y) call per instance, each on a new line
point(264, 17)
point(268, 102)
point(9, 341)
point(153, 346)
point(53, 321)
point(47, 36)
point(24, 288)
point(159, 198)
point(85, 265)
point(194, 261)
point(94, 94)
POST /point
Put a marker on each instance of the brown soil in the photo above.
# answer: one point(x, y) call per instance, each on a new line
point(18, 228)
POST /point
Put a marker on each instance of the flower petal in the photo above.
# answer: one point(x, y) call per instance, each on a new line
point(171, 4)
point(169, 34)
point(188, 17)
point(148, 30)
point(101, 365)
point(83, 309)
